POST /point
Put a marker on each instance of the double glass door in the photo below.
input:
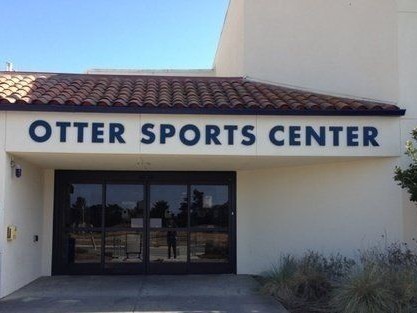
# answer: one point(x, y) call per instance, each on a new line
point(133, 223)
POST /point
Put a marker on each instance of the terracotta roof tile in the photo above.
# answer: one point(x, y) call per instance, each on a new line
point(167, 93)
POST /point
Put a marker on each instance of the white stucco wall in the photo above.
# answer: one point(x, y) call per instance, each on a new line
point(2, 189)
point(407, 47)
point(328, 208)
point(333, 46)
point(22, 258)
point(230, 50)
point(22, 203)
point(407, 52)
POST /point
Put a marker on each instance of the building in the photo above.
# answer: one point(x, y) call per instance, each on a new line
point(288, 144)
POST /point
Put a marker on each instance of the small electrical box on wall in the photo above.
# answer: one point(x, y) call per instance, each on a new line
point(11, 232)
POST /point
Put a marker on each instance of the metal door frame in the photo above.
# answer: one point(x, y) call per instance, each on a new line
point(65, 177)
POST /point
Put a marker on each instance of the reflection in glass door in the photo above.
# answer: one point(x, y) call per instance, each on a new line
point(168, 222)
point(210, 225)
point(82, 237)
point(124, 227)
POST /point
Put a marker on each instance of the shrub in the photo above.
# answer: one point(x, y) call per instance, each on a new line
point(278, 281)
point(398, 265)
point(403, 287)
point(304, 284)
point(382, 280)
point(363, 291)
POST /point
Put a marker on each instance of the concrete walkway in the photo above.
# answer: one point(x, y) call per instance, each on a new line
point(150, 294)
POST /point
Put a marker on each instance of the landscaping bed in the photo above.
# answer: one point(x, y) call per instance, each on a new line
point(379, 280)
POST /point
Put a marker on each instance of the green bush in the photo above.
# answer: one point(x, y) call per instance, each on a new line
point(407, 178)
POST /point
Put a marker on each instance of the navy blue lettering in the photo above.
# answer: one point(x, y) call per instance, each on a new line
point(249, 136)
point(295, 136)
point(369, 136)
point(147, 131)
point(272, 135)
point(190, 128)
point(167, 131)
point(116, 131)
point(63, 130)
point(42, 124)
point(80, 130)
point(319, 138)
point(97, 133)
point(212, 132)
point(336, 130)
point(230, 134)
point(352, 136)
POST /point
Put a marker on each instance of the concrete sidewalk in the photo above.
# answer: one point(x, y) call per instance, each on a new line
point(150, 294)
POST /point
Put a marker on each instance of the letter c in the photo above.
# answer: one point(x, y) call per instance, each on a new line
point(272, 135)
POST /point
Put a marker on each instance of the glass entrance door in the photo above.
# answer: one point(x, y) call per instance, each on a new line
point(124, 230)
point(82, 244)
point(168, 229)
point(134, 223)
point(210, 224)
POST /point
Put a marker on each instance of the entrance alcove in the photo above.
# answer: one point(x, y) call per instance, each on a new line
point(277, 207)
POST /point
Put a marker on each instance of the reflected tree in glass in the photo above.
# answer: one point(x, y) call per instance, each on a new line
point(208, 214)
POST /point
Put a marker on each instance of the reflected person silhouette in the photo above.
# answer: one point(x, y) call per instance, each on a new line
point(172, 239)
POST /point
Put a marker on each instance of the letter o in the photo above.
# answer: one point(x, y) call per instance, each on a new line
point(197, 135)
point(43, 124)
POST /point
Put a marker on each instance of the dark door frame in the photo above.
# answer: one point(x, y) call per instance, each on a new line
point(64, 177)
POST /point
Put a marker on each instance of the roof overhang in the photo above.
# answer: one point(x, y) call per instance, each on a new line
point(21, 91)
point(196, 111)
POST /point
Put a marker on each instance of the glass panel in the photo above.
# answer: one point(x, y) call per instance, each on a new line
point(124, 247)
point(125, 206)
point(168, 206)
point(85, 206)
point(168, 246)
point(83, 247)
point(209, 247)
point(209, 206)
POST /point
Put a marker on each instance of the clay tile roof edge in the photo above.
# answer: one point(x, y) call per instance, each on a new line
point(188, 95)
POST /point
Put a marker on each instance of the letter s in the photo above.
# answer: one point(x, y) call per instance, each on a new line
point(249, 136)
point(146, 131)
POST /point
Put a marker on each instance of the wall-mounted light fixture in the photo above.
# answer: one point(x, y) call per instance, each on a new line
point(17, 169)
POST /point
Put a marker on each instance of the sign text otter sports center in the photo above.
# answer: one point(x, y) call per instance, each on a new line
point(209, 134)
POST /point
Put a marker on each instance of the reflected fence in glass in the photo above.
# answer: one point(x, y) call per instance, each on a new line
point(210, 247)
point(83, 247)
point(123, 247)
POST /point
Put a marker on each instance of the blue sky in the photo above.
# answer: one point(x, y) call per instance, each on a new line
point(75, 35)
